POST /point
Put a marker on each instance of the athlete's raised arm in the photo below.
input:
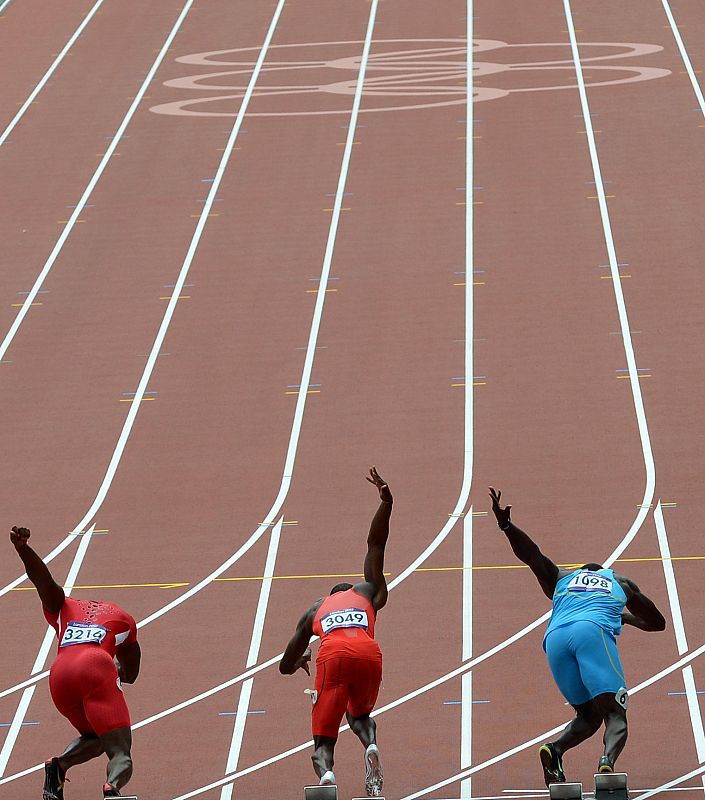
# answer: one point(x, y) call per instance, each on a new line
point(641, 611)
point(50, 593)
point(377, 541)
point(298, 654)
point(525, 549)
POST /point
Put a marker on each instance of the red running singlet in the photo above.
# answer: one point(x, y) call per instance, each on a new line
point(83, 681)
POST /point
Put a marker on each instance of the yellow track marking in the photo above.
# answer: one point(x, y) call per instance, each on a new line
point(181, 584)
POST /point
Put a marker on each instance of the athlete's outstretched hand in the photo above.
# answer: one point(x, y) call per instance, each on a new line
point(303, 662)
point(384, 494)
point(19, 537)
point(502, 514)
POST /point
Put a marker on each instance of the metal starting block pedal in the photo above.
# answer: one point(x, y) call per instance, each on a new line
point(367, 798)
point(611, 786)
point(329, 792)
point(565, 791)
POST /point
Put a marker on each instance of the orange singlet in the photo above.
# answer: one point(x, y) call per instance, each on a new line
point(349, 661)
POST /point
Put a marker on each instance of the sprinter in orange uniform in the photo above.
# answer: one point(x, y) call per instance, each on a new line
point(349, 661)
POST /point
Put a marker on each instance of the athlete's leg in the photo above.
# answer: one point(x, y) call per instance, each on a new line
point(117, 745)
point(83, 749)
point(364, 727)
point(588, 719)
point(616, 729)
point(323, 749)
point(365, 680)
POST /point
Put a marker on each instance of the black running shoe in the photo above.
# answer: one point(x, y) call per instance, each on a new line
point(551, 763)
point(605, 765)
point(53, 781)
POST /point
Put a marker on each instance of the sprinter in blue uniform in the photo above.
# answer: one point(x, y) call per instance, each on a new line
point(580, 644)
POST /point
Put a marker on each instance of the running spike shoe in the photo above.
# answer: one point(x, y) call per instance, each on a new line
point(54, 778)
point(605, 765)
point(327, 779)
point(110, 791)
point(551, 763)
point(373, 772)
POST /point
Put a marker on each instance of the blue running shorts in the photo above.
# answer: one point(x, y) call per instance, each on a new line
point(584, 661)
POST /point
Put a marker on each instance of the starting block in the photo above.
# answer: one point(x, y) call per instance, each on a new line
point(611, 786)
point(367, 798)
point(565, 791)
point(329, 792)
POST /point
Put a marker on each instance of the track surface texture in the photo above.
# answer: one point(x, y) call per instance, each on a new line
point(252, 248)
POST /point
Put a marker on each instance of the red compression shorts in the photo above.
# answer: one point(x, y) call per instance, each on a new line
point(344, 683)
point(84, 687)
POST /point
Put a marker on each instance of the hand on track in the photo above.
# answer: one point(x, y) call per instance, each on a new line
point(384, 494)
point(502, 514)
point(19, 537)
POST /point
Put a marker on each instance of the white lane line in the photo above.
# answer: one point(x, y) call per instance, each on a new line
point(42, 83)
point(178, 286)
point(465, 773)
point(243, 705)
point(669, 786)
point(687, 659)
point(466, 679)
point(47, 269)
point(4, 5)
point(696, 721)
point(684, 55)
point(49, 637)
point(619, 296)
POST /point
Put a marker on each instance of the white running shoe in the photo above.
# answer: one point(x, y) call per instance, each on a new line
point(327, 779)
point(373, 771)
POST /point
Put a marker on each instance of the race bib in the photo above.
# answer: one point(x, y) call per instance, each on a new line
point(586, 581)
point(345, 618)
point(83, 633)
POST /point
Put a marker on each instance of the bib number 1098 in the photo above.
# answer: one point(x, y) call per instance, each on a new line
point(345, 618)
point(586, 581)
point(83, 633)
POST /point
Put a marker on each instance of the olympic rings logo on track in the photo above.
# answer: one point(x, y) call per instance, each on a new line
point(429, 73)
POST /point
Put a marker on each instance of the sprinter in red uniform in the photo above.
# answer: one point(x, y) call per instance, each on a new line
point(349, 661)
point(97, 651)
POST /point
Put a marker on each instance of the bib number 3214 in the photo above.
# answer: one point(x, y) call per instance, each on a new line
point(83, 633)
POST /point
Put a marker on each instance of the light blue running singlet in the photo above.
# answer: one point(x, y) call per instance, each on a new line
point(584, 595)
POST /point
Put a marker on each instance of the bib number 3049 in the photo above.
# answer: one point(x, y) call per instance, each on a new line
point(82, 633)
point(586, 581)
point(345, 618)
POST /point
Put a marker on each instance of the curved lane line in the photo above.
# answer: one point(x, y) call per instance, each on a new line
point(4, 5)
point(42, 83)
point(649, 464)
point(22, 313)
point(151, 361)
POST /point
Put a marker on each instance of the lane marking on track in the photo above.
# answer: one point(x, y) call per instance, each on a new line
point(31, 295)
point(23, 706)
point(696, 721)
point(243, 706)
point(649, 464)
point(4, 5)
point(168, 314)
point(466, 654)
point(475, 568)
point(546, 735)
point(684, 55)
